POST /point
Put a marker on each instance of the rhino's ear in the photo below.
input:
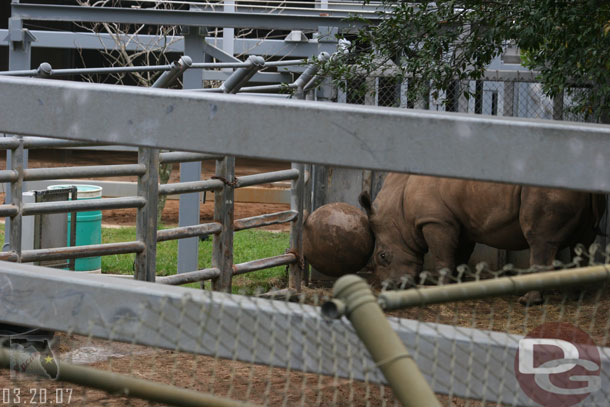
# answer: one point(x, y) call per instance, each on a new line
point(365, 202)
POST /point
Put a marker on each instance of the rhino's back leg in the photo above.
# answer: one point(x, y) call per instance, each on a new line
point(549, 218)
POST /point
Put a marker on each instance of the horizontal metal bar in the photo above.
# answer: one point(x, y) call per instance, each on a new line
point(180, 157)
point(90, 71)
point(505, 149)
point(8, 210)
point(188, 231)
point(391, 300)
point(115, 383)
point(189, 277)
point(178, 17)
point(84, 205)
point(9, 142)
point(59, 253)
point(264, 220)
point(267, 87)
point(188, 187)
point(8, 175)
point(171, 44)
point(44, 142)
point(286, 62)
point(8, 256)
point(262, 264)
point(266, 178)
point(36, 174)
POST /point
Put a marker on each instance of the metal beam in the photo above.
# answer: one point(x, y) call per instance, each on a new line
point(101, 41)
point(270, 21)
point(537, 152)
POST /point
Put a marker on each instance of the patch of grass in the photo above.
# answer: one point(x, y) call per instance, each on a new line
point(248, 245)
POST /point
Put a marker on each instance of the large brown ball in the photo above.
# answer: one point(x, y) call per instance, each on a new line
point(337, 239)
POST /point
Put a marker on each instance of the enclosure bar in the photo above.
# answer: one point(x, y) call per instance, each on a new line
point(180, 157)
point(192, 186)
point(37, 174)
point(211, 65)
point(118, 384)
point(146, 218)
point(267, 178)
point(8, 210)
point(9, 256)
point(296, 269)
point(16, 189)
point(184, 232)
point(80, 206)
point(224, 214)
point(391, 300)
point(279, 86)
point(89, 71)
point(387, 350)
point(9, 176)
point(44, 142)
point(261, 264)
point(265, 220)
point(189, 277)
point(506, 148)
point(7, 143)
point(242, 75)
point(289, 62)
point(177, 68)
point(60, 253)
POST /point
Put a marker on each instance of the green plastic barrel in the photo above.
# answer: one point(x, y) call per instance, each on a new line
point(88, 226)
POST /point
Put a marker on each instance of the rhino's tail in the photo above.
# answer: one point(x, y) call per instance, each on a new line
point(598, 208)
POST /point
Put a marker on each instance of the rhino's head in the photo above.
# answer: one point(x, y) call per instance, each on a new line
point(393, 261)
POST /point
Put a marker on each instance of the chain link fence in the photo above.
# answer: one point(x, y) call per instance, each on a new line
point(178, 346)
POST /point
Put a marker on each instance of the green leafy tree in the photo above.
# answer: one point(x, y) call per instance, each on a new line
point(436, 44)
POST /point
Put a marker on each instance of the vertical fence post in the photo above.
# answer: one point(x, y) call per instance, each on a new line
point(295, 270)
point(558, 106)
point(146, 221)
point(354, 298)
point(17, 162)
point(224, 213)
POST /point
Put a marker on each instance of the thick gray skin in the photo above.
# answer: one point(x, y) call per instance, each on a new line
point(415, 214)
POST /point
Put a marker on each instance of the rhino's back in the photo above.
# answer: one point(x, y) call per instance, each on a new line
point(485, 212)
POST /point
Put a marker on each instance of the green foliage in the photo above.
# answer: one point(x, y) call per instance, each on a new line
point(437, 43)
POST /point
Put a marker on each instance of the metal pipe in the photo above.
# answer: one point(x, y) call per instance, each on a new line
point(264, 220)
point(296, 270)
point(353, 295)
point(145, 265)
point(280, 86)
point(44, 142)
point(286, 63)
point(390, 300)
point(59, 253)
point(188, 187)
point(188, 231)
point(115, 383)
point(190, 277)
point(8, 142)
point(85, 205)
point(211, 65)
point(242, 75)
point(167, 78)
point(224, 213)
point(267, 178)
point(180, 157)
point(18, 161)
point(36, 174)
point(311, 70)
point(262, 264)
point(9, 256)
point(8, 176)
point(8, 210)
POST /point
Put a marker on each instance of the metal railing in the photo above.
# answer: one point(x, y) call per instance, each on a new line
point(223, 184)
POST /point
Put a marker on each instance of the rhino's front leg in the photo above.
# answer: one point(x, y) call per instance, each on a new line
point(442, 240)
